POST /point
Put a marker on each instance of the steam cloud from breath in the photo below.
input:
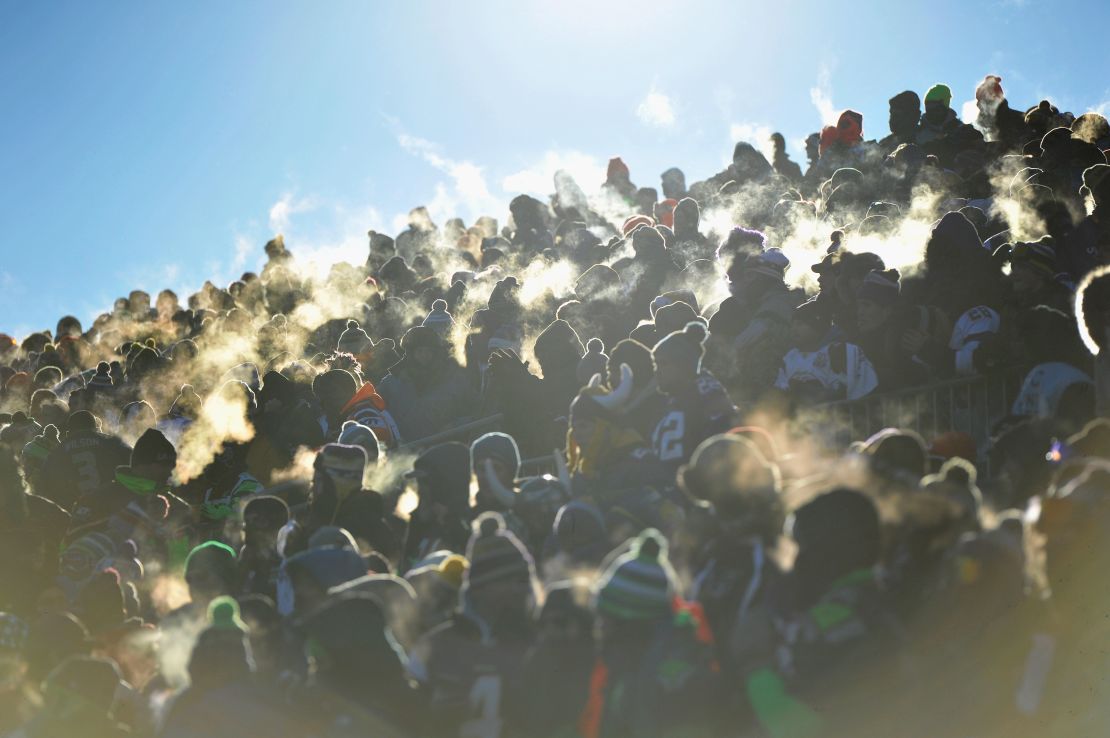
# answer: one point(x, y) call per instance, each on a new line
point(324, 271)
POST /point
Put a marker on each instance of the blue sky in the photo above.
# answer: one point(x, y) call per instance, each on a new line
point(145, 145)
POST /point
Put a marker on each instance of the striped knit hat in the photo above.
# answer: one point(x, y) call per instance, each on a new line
point(880, 287)
point(102, 380)
point(353, 340)
point(354, 433)
point(495, 554)
point(439, 319)
point(639, 584)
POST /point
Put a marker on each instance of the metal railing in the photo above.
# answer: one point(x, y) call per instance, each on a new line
point(465, 433)
point(972, 405)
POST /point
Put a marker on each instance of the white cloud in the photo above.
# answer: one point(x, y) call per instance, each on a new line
point(285, 208)
point(468, 183)
point(538, 179)
point(244, 248)
point(821, 96)
point(656, 110)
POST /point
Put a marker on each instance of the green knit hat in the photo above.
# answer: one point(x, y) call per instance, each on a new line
point(939, 93)
point(214, 556)
point(223, 614)
point(638, 585)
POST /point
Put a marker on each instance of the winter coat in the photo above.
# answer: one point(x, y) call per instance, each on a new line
point(83, 462)
point(668, 685)
point(368, 408)
point(690, 418)
point(470, 674)
point(424, 408)
point(830, 665)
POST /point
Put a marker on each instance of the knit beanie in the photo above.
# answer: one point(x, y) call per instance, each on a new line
point(639, 584)
point(82, 420)
point(770, 263)
point(990, 89)
point(353, 340)
point(1096, 182)
point(897, 454)
point(354, 433)
point(153, 448)
point(954, 444)
point(439, 319)
point(212, 557)
point(687, 345)
point(636, 221)
point(47, 376)
point(594, 362)
point(445, 471)
point(266, 511)
point(420, 337)
point(223, 613)
point(674, 317)
point(558, 344)
point(638, 358)
point(597, 282)
point(20, 431)
point(579, 528)
point(453, 570)
point(730, 472)
point(344, 465)
point(880, 287)
point(222, 648)
point(143, 362)
point(499, 446)
point(102, 381)
point(84, 556)
point(670, 297)
point(1092, 128)
point(440, 568)
point(956, 481)
point(906, 100)
point(496, 555)
point(850, 127)
point(188, 403)
point(940, 94)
